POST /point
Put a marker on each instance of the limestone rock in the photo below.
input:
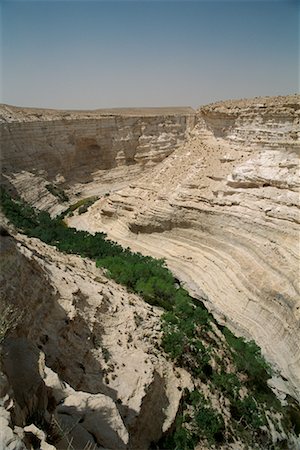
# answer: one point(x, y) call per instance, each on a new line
point(39, 435)
point(8, 439)
point(98, 415)
point(98, 340)
point(24, 369)
point(227, 226)
point(85, 152)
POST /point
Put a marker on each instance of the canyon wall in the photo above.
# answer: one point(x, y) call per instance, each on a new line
point(218, 200)
point(224, 211)
point(84, 152)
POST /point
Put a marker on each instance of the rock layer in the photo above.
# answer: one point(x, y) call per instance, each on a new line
point(103, 149)
point(224, 211)
point(221, 204)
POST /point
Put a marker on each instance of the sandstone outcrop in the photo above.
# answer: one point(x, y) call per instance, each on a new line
point(224, 211)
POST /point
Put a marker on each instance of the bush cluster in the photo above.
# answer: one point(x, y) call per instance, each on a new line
point(248, 358)
point(198, 421)
point(39, 224)
point(57, 192)
point(144, 275)
point(184, 329)
point(82, 206)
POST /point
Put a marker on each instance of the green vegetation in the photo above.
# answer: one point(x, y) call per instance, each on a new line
point(184, 329)
point(198, 421)
point(228, 383)
point(57, 192)
point(188, 337)
point(248, 413)
point(39, 224)
point(248, 359)
point(231, 368)
point(82, 206)
point(143, 275)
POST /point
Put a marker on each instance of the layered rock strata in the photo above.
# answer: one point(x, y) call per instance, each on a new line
point(84, 152)
point(225, 203)
point(224, 211)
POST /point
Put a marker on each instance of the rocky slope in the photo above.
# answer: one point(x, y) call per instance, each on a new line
point(83, 365)
point(83, 349)
point(84, 152)
point(224, 211)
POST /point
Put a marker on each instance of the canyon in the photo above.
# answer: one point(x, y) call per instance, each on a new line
point(89, 151)
point(215, 192)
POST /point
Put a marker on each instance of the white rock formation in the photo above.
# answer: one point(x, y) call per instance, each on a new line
point(85, 152)
point(224, 212)
point(221, 205)
point(95, 414)
point(99, 342)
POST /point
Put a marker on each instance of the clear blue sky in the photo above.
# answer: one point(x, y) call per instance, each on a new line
point(97, 54)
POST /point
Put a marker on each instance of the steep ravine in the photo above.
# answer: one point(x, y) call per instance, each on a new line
point(84, 152)
point(215, 193)
point(228, 400)
point(224, 211)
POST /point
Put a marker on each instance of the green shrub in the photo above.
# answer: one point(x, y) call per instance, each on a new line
point(173, 342)
point(184, 328)
point(182, 439)
point(293, 413)
point(143, 275)
point(248, 358)
point(210, 424)
point(248, 412)
point(82, 206)
point(198, 421)
point(57, 192)
point(227, 383)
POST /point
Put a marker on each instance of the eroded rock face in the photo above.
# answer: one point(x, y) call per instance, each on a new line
point(102, 148)
point(94, 414)
point(24, 370)
point(224, 211)
point(82, 349)
point(222, 208)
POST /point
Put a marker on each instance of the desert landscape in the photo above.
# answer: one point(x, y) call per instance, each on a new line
point(192, 218)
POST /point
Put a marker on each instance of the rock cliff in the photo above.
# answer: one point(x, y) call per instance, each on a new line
point(224, 211)
point(84, 152)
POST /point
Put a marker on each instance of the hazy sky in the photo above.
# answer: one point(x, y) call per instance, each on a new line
point(97, 54)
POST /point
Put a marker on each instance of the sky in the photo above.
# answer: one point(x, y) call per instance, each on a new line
point(102, 54)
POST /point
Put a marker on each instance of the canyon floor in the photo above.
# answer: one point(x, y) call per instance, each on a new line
point(214, 192)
